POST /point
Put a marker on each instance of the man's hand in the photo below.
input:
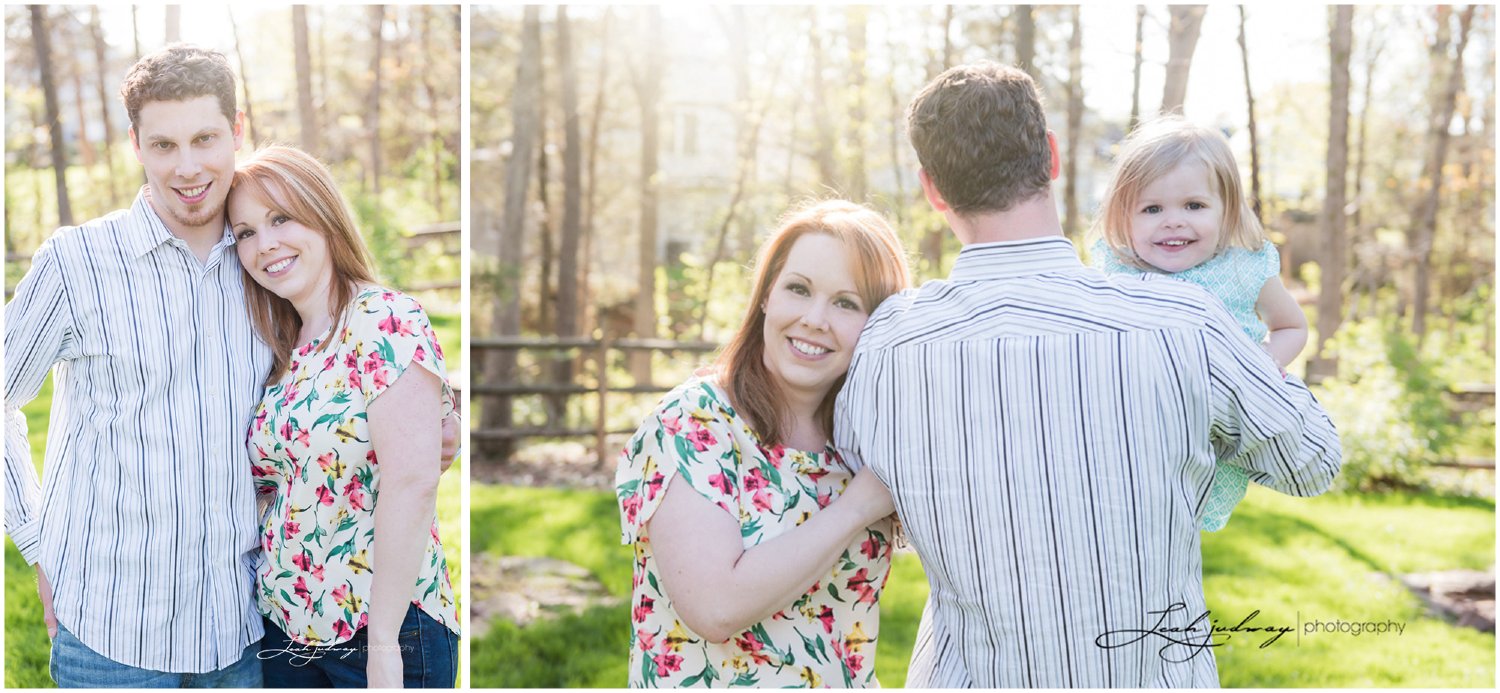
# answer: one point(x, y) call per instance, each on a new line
point(383, 667)
point(452, 433)
point(44, 590)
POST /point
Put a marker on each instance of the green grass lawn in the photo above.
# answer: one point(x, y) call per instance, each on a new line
point(1295, 560)
point(26, 644)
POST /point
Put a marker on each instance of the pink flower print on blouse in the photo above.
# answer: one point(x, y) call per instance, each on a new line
point(754, 481)
point(300, 590)
point(632, 506)
point(826, 618)
point(720, 481)
point(644, 609)
point(701, 438)
point(667, 663)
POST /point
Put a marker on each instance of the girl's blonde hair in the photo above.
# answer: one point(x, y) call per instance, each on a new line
point(296, 184)
point(1152, 151)
point(880, 270)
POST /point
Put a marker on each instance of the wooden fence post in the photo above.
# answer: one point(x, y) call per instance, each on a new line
point(601, 367)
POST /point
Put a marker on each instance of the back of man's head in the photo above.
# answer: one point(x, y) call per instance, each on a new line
point(178, 72)
point(981, 135)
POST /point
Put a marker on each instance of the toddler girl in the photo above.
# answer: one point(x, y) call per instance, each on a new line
point(1174, 206)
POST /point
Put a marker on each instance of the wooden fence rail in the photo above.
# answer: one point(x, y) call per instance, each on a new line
point(593, 350)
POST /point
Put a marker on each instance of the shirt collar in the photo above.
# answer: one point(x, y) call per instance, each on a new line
point(150, 232)
point(1010, 259)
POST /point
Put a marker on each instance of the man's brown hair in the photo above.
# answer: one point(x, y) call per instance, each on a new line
point(981, 135)
point(177, 73)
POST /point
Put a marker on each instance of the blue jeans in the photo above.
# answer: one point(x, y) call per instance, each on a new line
point(74, 665)
point(429, 657)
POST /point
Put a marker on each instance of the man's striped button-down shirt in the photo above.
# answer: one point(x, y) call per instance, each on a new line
point(1049, 435)
point(144, 522)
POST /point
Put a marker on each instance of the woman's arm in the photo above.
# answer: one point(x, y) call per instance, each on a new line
point(1285, 321)
point(719, 587)
point(405, 433)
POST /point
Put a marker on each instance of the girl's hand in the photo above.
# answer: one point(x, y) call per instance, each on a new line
point(383, 666)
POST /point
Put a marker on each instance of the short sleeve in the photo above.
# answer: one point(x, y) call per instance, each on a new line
point(690, 434)
point(393, 332)
point(1269, 261)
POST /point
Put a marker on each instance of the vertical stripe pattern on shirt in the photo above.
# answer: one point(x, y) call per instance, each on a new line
point(144, 519)
point(1049, 435)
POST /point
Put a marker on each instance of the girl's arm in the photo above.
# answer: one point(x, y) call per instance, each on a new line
point(720, 588)
point(1284, 319)
point(406, 438)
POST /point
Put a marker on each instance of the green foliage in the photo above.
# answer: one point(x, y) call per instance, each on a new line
point(386, 244)
point(1293, 559)
point(1389, 400)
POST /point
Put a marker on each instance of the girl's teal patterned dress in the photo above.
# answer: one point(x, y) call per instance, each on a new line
point(1236, 277)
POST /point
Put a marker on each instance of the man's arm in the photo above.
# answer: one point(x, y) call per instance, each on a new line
point(1263, 422)
point(38, 333)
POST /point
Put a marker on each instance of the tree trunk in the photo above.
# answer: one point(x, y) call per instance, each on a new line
point(135, 30)
point(595, 123)
point(1426, 219)
point(174, 23)
point(1026, 41)
point(932, 240)
point(80, 105)
point(39, 41)
point(572, 223)
point(855, 18)
point(239, 55)
point(377, 34)
point(1334, 255)
point(435, 133)
point(897, 124)
point(1071, 225)
point(749, 146)
point(1187, 21)
point(648, 96)
point(1363, 277)
point(1135, 89)
point(525, 97)
point(307, 114)
point(101, 70)
point(826, 143)
point(1250, 111)
point(545, 222)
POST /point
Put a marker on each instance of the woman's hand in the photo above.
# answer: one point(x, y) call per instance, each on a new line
point(383, 666)
point(869, 495)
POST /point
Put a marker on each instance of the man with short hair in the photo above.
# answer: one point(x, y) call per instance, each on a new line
point(1049, 433)
point(144, 536)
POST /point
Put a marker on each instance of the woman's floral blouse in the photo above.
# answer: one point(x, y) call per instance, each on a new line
point(825, 638)
point(310, 442)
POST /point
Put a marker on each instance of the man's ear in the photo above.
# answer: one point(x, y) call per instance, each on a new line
point(1056, 159)
point(135, 143)
point(934, 197)
point(239, 129)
